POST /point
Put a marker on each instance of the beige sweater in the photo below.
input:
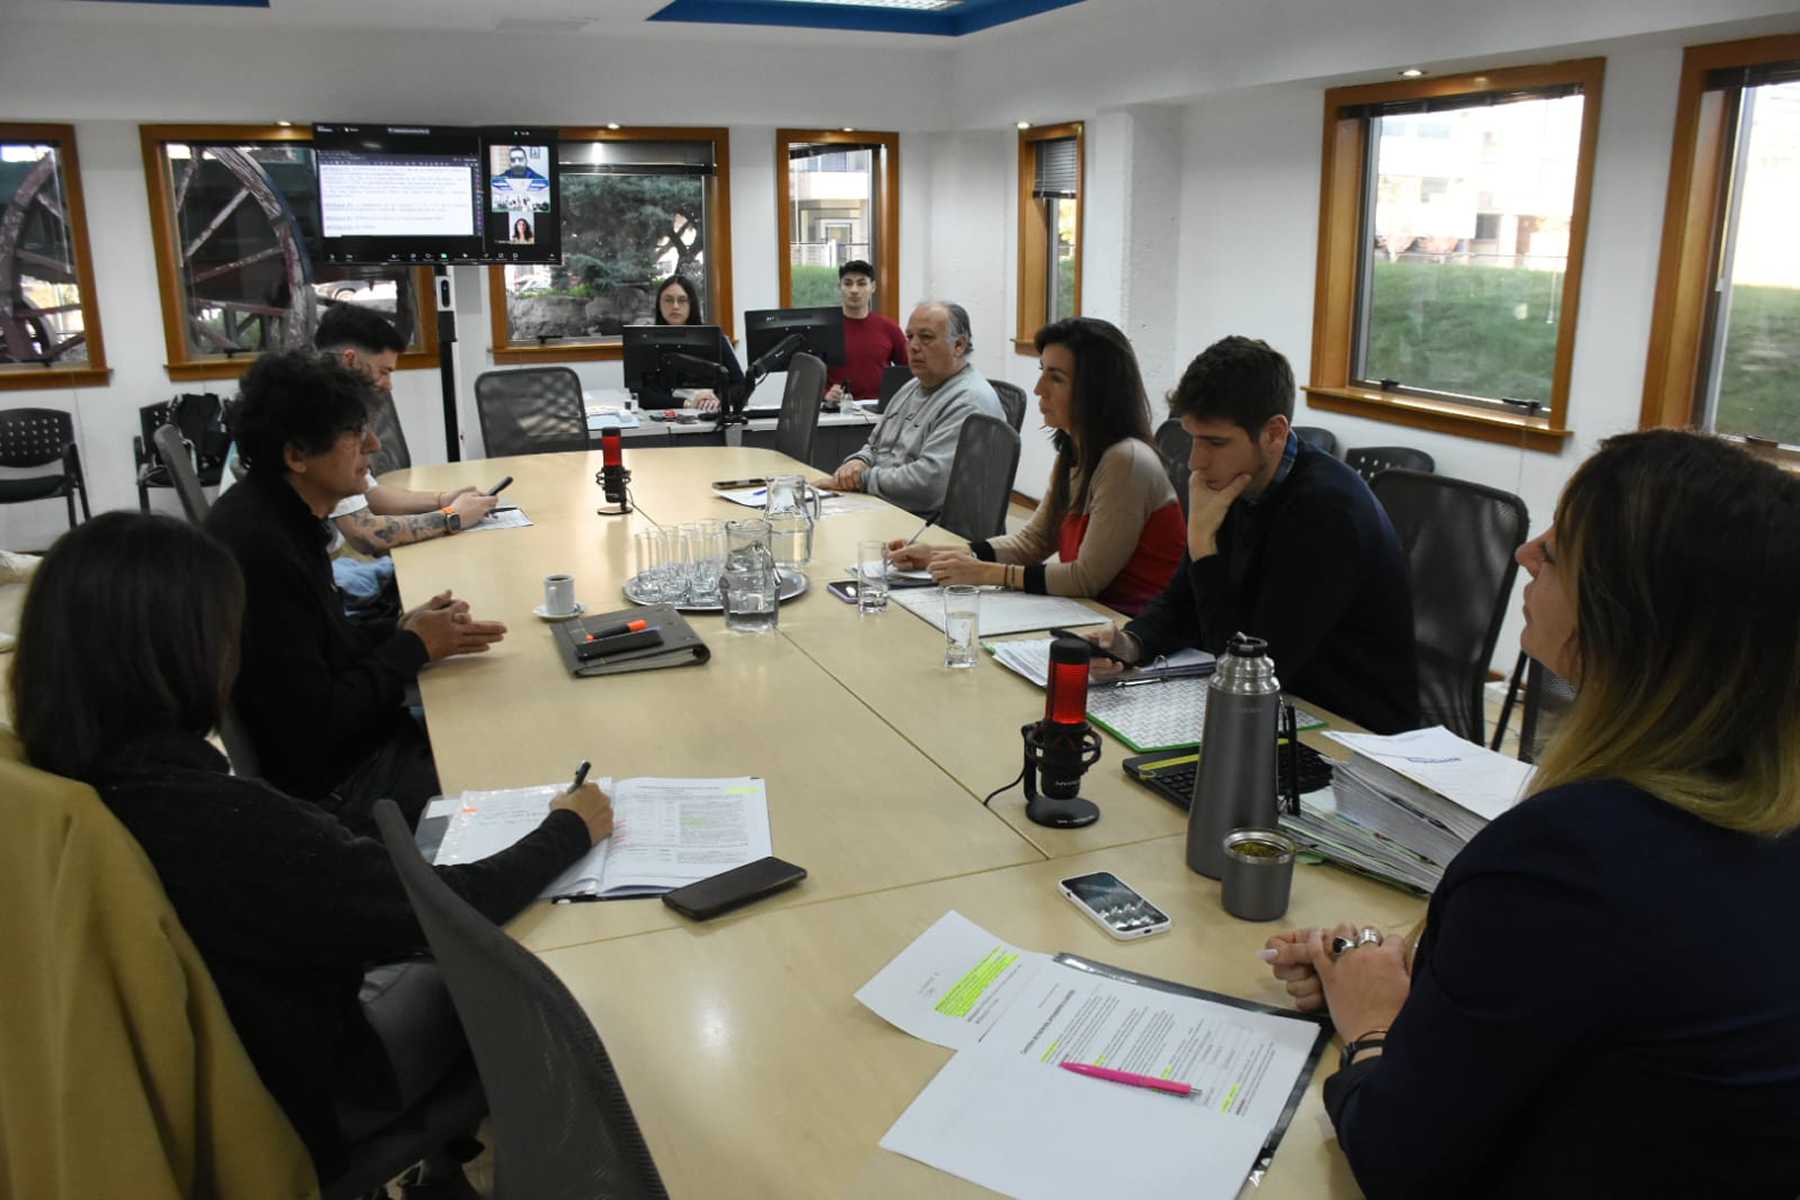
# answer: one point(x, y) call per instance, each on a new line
point(1129, 485)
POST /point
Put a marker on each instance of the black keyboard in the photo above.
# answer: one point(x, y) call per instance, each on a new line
point(1171, 776)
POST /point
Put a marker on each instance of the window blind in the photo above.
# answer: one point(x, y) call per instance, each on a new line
point(1440, 104)
point(1058, 175)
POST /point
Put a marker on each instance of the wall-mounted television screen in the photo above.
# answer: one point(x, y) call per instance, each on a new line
point(437, 194)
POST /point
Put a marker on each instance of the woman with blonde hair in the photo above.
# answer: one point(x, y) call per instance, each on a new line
point(1605, 1000)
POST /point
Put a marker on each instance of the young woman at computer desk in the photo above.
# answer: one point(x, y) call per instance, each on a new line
point(678, 303)
point(1109, 514)
point(1606, 997)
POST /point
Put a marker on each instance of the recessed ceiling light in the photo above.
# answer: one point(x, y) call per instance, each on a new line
point(1411, 73)
point(1024, 124)
point(1481, 79)
point(849, 129)
point(612, 124)
point(285, 124)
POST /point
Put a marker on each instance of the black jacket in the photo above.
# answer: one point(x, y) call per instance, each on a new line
point(317, 694)
point(288, 909)
point(1316, 570)
point(1606, 1002)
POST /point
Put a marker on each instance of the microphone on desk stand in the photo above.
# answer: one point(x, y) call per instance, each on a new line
point(614, 479)
point(1063, 745)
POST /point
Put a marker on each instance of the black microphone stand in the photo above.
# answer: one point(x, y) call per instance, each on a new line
point(1063, 753)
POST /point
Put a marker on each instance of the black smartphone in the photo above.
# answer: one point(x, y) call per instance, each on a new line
point(843, 589)
point(736, 887)
point(732, 485)
point(501, 486)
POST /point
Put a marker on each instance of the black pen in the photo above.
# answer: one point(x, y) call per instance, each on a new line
point(580, 776)
point(930, 520)
point(500, 487)
point(1125, 683)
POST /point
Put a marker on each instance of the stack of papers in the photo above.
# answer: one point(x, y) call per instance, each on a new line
point(599, 417)
point(667, 833)
point(1418, 797)
point(1002, 610)
point(1320, 829)
point(992, 1115)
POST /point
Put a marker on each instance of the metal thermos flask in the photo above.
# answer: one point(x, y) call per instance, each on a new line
point(1235, 786)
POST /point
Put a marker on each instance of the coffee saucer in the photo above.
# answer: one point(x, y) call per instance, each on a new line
point(547, 615)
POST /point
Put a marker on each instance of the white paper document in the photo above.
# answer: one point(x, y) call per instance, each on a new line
point(512, 518)
point(1483, 781)
point(667, 833)
point(986, 1115)
point(1002, 611)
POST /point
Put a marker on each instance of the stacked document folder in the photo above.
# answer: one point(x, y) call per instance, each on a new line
point(1404, 806)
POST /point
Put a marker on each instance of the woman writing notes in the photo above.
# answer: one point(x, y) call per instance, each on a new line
point(678, 303)
point(287, 907)
point(1109, 514)
point(1606, 997)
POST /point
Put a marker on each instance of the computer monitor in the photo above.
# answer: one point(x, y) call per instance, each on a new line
point(892, 380)
point(662, 358)
point(777, 334)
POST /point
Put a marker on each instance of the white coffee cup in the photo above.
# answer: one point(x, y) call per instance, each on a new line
point(559, 595)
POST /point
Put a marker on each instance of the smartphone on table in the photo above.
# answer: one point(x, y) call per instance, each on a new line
point(733, 888)
point(1114, 905)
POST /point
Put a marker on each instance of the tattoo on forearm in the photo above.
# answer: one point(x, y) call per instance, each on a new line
point(381, 534)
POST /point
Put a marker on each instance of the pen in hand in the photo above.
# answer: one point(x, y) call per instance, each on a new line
point(580, 776)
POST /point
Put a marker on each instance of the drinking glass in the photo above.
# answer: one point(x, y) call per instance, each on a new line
point(648, 548)
point(750, 583)
point(871, 577)
point(709, 560)
point(962, 617)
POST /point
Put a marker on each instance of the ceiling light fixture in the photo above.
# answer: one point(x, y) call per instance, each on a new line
point(612, 124)
point(849, 129)
point(1024, 124)
point(1411, 73)
point(285, 124)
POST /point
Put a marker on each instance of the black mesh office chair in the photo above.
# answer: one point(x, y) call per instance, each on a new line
point(537, 410)
point(1175, 445)
point(1319, 439)
point(384, 423)
point(799, 418)
point(200, 418)
point(178, 460)
point(981, 479)
point(1370, 461)
point(1547, 694)
point(1459, 539)
point(563, 1127)
point(1012, 402)
point(37, 437)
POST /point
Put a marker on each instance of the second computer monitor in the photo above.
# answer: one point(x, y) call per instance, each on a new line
point(820, 332)
point(661, 358)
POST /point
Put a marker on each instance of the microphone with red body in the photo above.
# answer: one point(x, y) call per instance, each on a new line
point(1063, 745)
point(613, 476)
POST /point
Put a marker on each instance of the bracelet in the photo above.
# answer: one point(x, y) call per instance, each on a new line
point(1368, 1041)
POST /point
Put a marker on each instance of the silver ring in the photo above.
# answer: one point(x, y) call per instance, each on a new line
point(1368, 935)
point(1341, 944)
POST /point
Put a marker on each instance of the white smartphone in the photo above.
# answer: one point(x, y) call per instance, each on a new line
point(1114, 905)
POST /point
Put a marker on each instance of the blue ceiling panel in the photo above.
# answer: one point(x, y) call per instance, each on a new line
point(952, 19)
point(207, 3)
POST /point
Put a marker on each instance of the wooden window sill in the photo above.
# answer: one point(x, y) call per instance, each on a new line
point(1438, 416)
point(546, 355)
point(1026, 347)
point(51, 378)
point(234, 368)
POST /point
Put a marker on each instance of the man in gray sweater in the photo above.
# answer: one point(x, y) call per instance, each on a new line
point(907, 459)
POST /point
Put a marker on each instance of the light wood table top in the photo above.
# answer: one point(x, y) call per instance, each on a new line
point(753, 1071)
point(849, 799)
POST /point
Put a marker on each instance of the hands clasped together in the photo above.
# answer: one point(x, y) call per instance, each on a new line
point(443, 623)
point(1355, 972)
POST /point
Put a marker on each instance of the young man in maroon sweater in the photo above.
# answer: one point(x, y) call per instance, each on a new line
point(871, 341)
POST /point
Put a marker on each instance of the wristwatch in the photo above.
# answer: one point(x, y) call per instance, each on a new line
point(451, 520)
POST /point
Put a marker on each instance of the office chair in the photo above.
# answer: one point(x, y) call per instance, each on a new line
point(1319, 439)
point(564, 1129)
point(36, 437)
point(1370, 461)
point(177, 459)
point(981, 479)
point(384, 423)
point(1175, 445)
point(199, 416)
point(1012, 402)
point(799, 418)
point(1546, 693)
point(536, 410)
point(1459, 539)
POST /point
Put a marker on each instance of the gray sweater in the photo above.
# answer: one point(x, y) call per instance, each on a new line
point(910, 452)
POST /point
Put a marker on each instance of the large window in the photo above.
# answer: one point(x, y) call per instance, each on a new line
point(235, 219)
point(1725, 339)
point(837, 199)
point(1453, 214)
point(1050, 182)
point(638, 205)
point(49, 317)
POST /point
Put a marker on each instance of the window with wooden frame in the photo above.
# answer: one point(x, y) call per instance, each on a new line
point(49, 311)
point(638, 206)
point(1050, 184)
point(837, 200)
point(234, 216)
point(1452, 221)
point(1725, 332)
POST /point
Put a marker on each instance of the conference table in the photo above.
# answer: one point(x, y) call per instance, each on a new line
point(752, 1069)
